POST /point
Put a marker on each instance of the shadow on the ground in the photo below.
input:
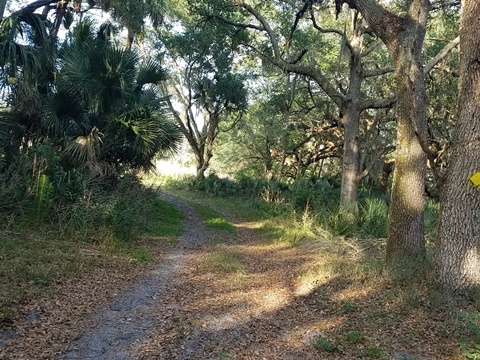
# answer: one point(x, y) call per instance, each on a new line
point(272, 310)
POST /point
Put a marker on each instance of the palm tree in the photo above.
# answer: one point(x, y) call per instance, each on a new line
point(107, 106)
point(99, 106)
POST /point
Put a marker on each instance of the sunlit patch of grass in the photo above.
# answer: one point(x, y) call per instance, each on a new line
point(286, 230)
point(246, 209)
point(220, 224)
point(274, 232)
point(223, 260)
point(312, 277)
point(212, 219)
point(140, 256)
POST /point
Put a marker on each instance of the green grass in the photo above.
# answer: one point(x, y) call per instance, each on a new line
point(30, 263)
point(273, 231)
point(374, 352)
point(164, 219)
point(223, 260)
point(249, 210)
point(140, 256)
point(326, 345)
point(355, 337)
point(212, 219)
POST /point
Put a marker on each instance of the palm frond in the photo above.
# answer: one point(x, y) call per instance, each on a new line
point(150, 72)
point(107, 31)
point(83, 33)
point(85, 150)
point(61, 108)
point(146, 133)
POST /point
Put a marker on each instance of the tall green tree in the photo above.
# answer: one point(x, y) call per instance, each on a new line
point(298, 44)
point(205, 89)
point(403, 35)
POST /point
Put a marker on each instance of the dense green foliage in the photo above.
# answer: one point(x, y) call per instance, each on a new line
point(314, 203)
point(74, 130)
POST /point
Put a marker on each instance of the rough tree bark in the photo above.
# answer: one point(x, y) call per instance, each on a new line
point(404, 35)
point(459, 229)
point(351, 121)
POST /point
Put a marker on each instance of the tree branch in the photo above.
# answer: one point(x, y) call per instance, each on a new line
point(237, 24)
point(441, 55)
point(30, 8)
point(384, 24)
point(372, 47)
point(285, 66)
point(377, 72)
point(377, 103)
point(334, 31)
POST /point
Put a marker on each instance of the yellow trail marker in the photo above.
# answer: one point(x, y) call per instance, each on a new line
point(475, 179)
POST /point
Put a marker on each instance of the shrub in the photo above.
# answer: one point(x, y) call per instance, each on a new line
point(326, 345)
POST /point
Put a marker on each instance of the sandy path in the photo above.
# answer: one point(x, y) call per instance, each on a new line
point(131, 316)
point(186, 310)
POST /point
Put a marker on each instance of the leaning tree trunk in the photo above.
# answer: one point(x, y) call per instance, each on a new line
point(459, 228)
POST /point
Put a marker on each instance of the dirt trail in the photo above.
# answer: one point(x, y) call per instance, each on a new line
point(187, 309)
point(221, 296)
point(131, 316)
point(246, 314)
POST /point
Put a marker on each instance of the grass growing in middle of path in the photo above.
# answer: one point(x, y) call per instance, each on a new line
point(223, 260)
point(212, 219)
point(165, 220)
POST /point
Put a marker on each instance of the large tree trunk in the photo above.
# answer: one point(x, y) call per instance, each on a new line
point(459, 229)
point(406, 222)
point(268, 161)
point(350, 161)
point(351, 123)
point(404, 35)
